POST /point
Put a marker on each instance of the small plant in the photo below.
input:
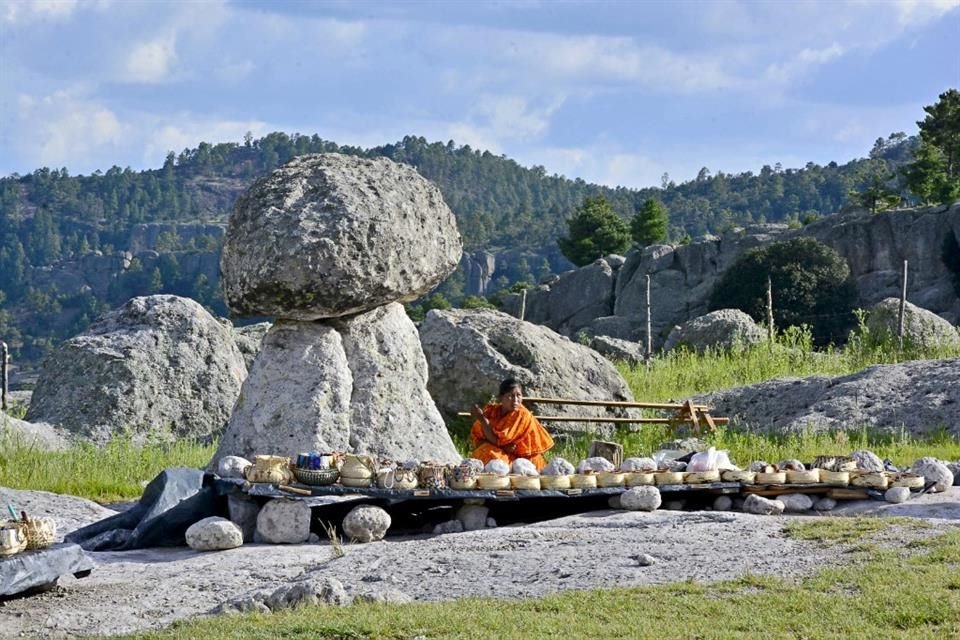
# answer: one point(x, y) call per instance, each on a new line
point(336, 542)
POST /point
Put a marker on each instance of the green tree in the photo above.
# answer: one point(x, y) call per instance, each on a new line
point(927, 176)
point(811, 285)
point(476, 302)
point(934, 175)
point(594, 231)
point(876, 194)
point(649, 225)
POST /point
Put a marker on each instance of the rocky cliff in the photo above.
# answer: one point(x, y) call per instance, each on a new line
point(609, 298)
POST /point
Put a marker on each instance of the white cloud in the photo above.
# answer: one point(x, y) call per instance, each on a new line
point(65, 127)
point(184, 131)
point(21, 11)
point(804, 62)
point(918, 12)
point(500, 120)
point(602, 163)
point(150, 62)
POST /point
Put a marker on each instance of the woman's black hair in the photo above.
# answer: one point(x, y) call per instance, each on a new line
point(509, 385)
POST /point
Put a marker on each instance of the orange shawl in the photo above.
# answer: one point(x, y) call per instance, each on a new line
point(518, 428)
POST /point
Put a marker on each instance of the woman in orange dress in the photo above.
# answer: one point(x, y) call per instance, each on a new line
point(507, 430)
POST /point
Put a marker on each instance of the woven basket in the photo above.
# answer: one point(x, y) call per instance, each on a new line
point(269, 469)
point(637, 479)
point(701, 477)
point(668, 477)
point(405, 479)
point(835, 478)
point(554, 482)
point(316, 477)
point(492, 482)
point(13, 538)
point(611, 478)
point(909, 480)
point(739, 475)
point(349, 481)
point(872, 480)
point(773, 477)
point(811, 476)
point(530, 483)
point(463, 484)
point(583, 481)
point(40, 532)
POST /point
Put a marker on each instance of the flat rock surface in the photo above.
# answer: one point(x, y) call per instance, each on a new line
point(138, 590)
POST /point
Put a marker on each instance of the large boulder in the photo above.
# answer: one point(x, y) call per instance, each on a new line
point(331, 235)
point(157, 367)
point(470, 351)
point(249, 338)
point(921, 397)
point(724, 329)
point(921, 328)
point(44, 437)
point(357, 385)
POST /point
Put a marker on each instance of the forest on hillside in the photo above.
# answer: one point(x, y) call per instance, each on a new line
point(50, 218)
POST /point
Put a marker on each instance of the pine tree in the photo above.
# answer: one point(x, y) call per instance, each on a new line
point(649, 225)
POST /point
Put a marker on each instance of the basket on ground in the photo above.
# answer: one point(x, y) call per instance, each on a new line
point(40, 532)
point(316, 477)
point(13, 538)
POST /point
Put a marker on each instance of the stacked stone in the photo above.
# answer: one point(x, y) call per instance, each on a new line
point(329, 246)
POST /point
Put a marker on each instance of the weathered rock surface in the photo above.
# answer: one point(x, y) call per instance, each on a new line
point(573, 300)
point(640, 499)
point(330, 235)
point(356, 385)
point(158, 367)
point(470, 351)
point(249, 338)
point(366, 523)
point(921, 328)
point(919, 396)
point(44, 437)
point(867, 460)
point(282, 521)
point(796, 502)
point(897, 495)
point(762, 506)
point(214, 534)
point(473, 516)
point(69, 512)
point(723, 329)
point(306, 591)
point(617, 350)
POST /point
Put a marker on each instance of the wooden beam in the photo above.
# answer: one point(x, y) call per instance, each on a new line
point(614, 403)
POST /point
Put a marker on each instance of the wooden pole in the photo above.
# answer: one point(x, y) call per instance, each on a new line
point(769, 315)
point(649, 353)
point(523, 304)
point(4, 361)
point(903, 306)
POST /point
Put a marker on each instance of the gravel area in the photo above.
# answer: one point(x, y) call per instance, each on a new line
point(138, 590)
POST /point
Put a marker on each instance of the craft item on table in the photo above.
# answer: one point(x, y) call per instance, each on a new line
point(316, 477)
point(595, 464)
point(806, 476)
point(701, 477)
point(409, 464)
point(358, 470)
point(909, 480)
point(585, 480)
point(638, 478)
point(738, 475)
point(610, 478)
point(871, 480)
point(523, 467)
point(759, 465)
point(555, 481)
point(558, 467)
point(639, 464)
point(464, 475)
point(834, 463)
point(315, 460)
point(270, 469)
point(13, 538)
point(433, 475)
point(521, 481)
point(770, 475)
point(493, 481)
point(834, 478)
point(498, 467)
point(405, 478)
point(668, 477)
point(790, 465)
point(386, 476)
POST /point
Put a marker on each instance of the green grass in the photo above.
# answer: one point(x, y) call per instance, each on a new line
point(885, 594)
point(114, 473)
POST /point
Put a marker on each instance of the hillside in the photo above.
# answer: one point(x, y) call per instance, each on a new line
point(74, 246)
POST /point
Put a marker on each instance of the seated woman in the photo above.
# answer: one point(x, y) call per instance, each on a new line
point(507, 430)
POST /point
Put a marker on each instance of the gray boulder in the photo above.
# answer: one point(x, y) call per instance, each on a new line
point(232, 466)
point(331, 235)
point(213, 534)
point(896, 495)
point(470, 351)
point(762, 506)
point(366, 523)
point(243, 511)
point(919, 396)
point(933, 471)
point(867, 461)
point(157, 367)
point(724, 329)
point(631, 329)
point(796, 502)
point(617, 350)
point(249, 338)
point(573, 300)
point(357, 385)
point(640, 499)
point(921, 328)
point(473, 516)
point(42, 436)
point(824, 504)
point(282, 521)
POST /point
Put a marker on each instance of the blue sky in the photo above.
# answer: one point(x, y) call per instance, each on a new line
point(611, 92)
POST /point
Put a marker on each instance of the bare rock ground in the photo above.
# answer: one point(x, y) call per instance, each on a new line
point(139, 590)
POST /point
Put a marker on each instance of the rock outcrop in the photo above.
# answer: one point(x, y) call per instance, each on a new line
point(918, 396)
point(470, 351)
point(330, 235)
point(157, 367)
point(724, 329)
point(921, 328)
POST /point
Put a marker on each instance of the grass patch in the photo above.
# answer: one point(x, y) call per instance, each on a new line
point(847, 530)
point(109, 474)
point(885, 596)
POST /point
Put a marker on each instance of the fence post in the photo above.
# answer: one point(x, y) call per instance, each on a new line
point(4, 361)
point(903, 305)
point(649, 352)
point(769, 315)
point(523, 303)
